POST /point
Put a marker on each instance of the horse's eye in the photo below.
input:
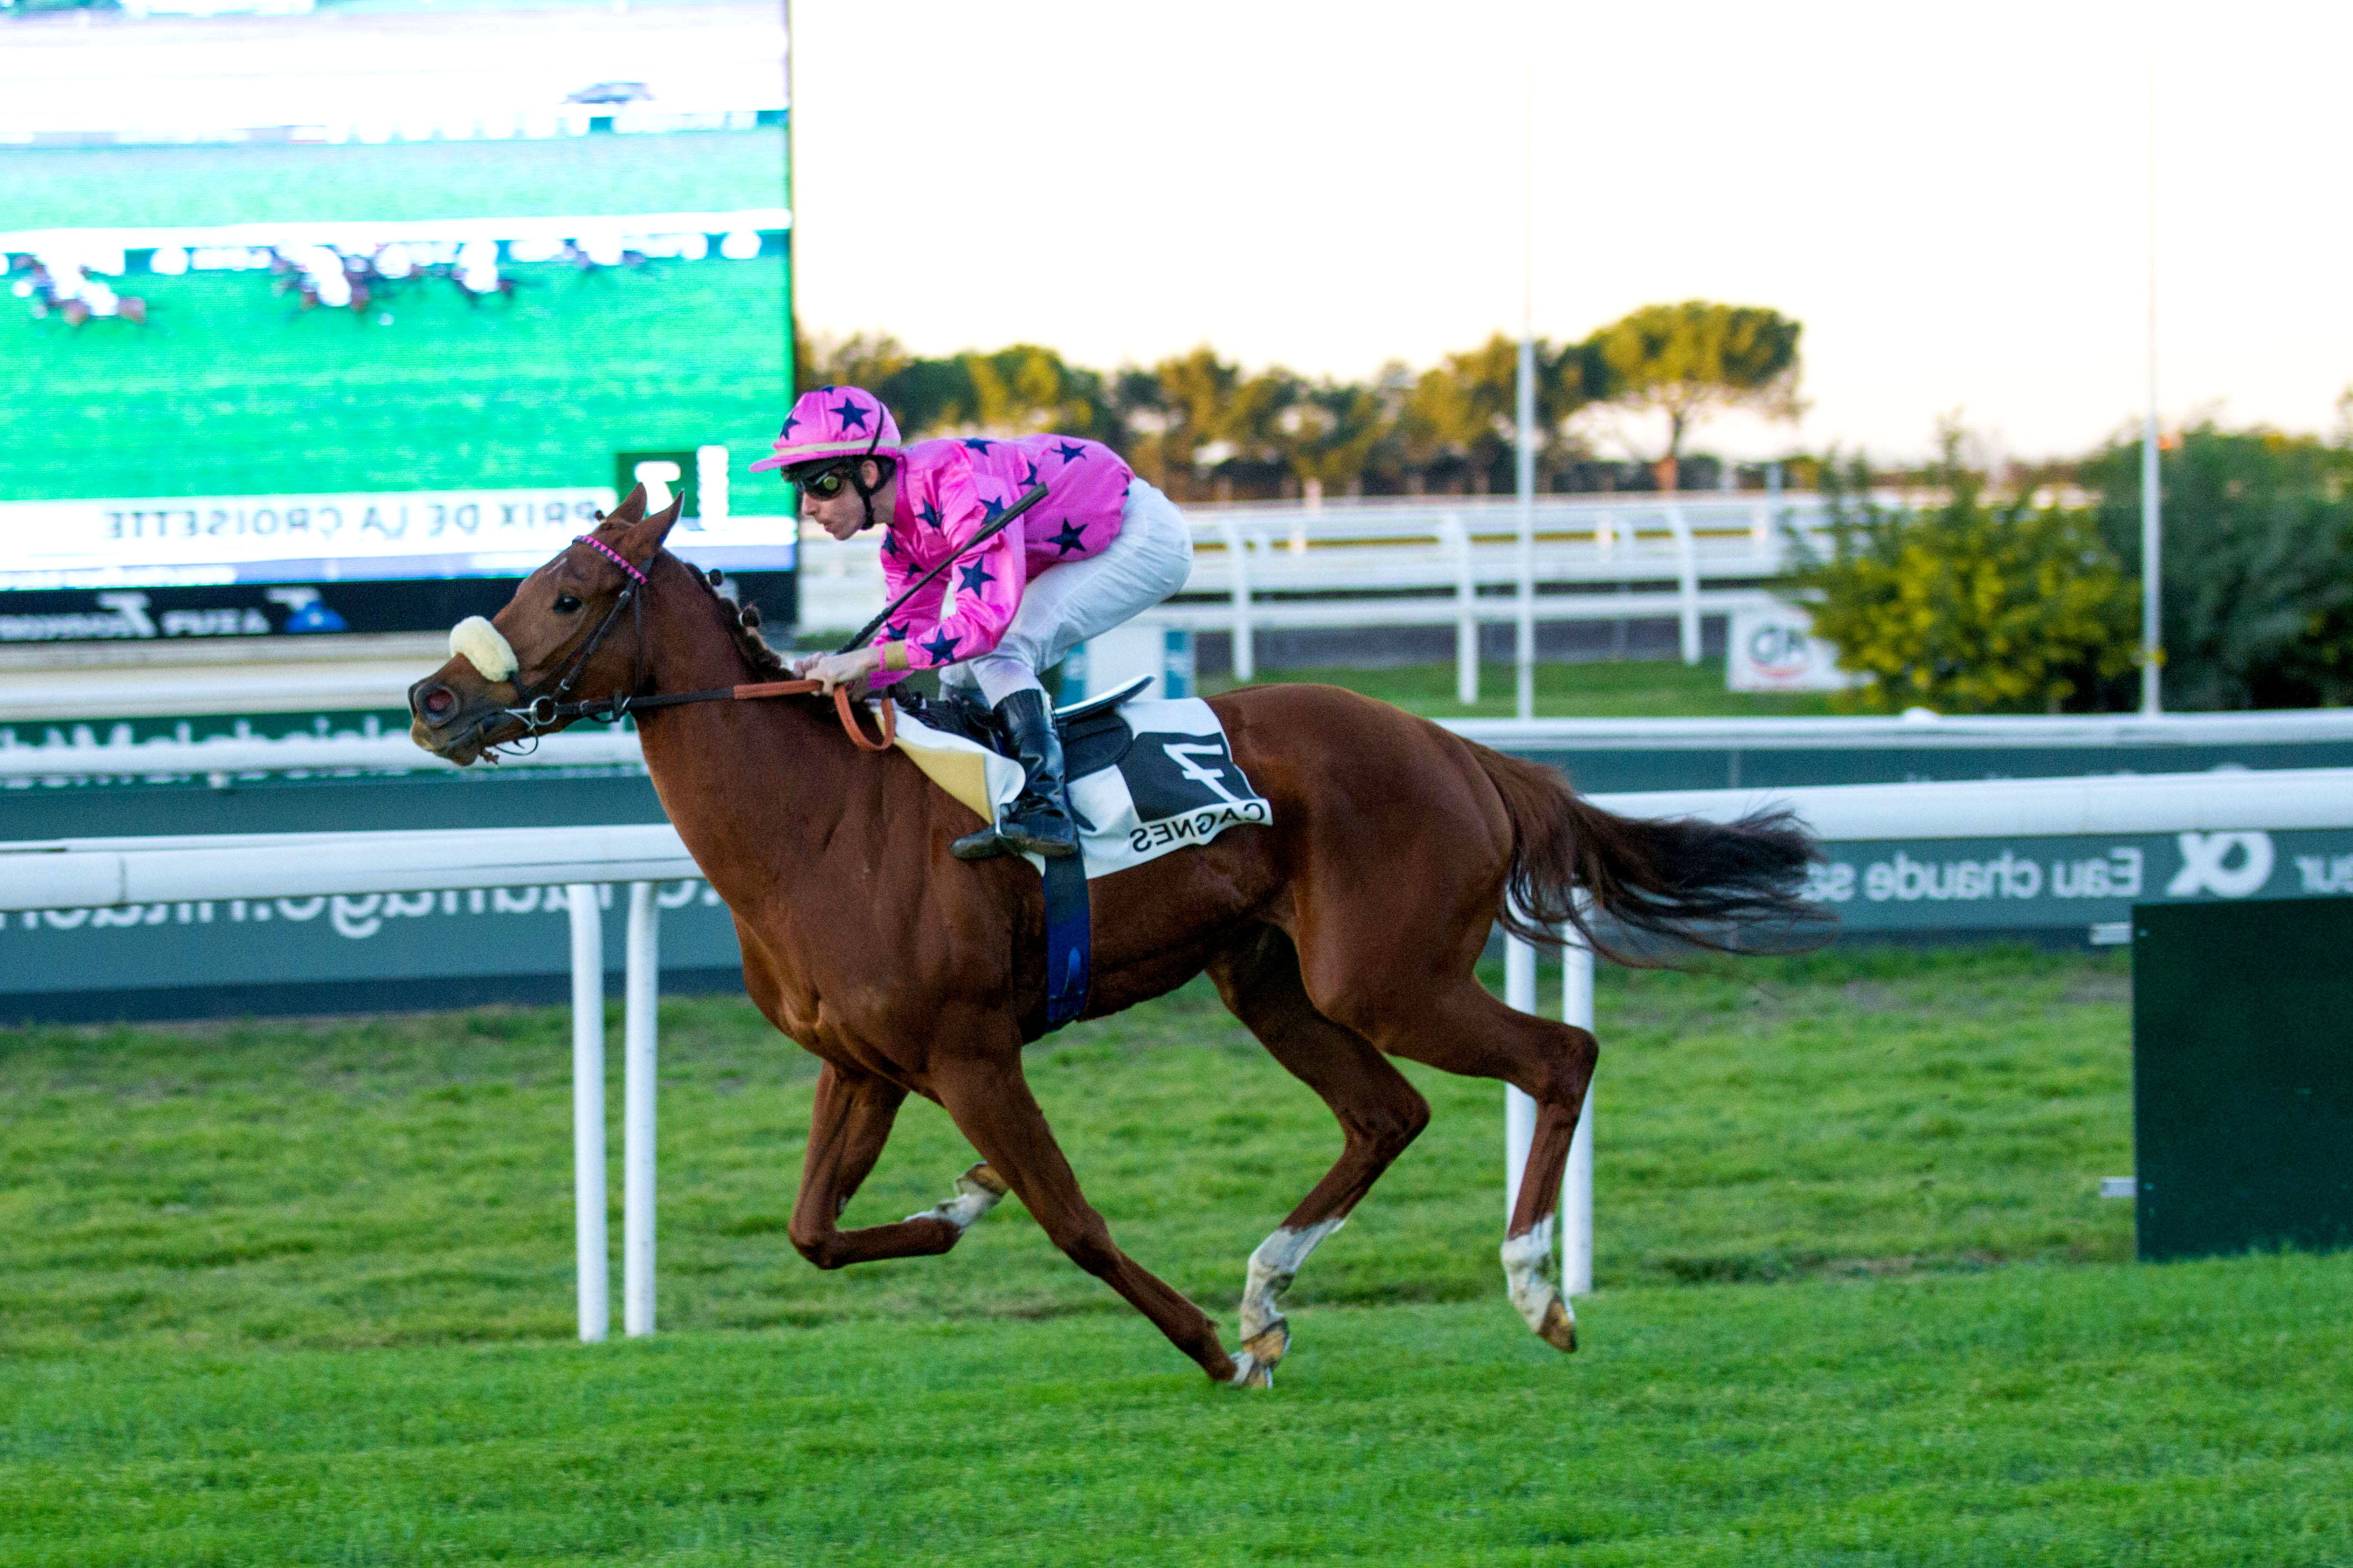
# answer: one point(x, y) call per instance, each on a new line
point(565, 603)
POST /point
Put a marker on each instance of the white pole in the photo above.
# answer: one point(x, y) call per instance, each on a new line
point(1519, 1108)
point(588, 1111)
point(1466, 612)
point(2152, 576)
point(1576, 1188)
point(642, 990)
point(1526, 476)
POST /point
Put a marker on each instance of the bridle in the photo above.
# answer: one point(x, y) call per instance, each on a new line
point(541, 711)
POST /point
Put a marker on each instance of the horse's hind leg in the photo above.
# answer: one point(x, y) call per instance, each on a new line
point(993, 1107)
point(1453, 1024)
point(1378, 1112)
point(849, 1123)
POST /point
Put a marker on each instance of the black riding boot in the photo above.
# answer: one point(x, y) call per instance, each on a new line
point(1038, 820)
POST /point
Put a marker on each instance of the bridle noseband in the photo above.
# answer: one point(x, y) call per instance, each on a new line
point(541, 711)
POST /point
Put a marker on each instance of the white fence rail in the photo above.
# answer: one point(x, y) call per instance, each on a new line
point(83, 873)
point(225, 758)
point(1448, 562)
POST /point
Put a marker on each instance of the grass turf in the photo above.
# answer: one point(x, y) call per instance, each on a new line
point(406, 1180)
point(1621, 689)
point(2062, 1416)
point(259, 1274)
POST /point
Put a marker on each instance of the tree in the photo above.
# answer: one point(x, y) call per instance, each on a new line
point(1694, 359)
point(1966, 607)
point(2258, 564)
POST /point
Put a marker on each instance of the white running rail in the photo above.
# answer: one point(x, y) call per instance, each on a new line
point(1448, 561)
point(105, 872)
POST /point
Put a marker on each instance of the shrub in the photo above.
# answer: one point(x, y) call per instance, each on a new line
point(1968, 607)
point(2258, 564)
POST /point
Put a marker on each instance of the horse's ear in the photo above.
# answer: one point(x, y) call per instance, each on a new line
point(632, 509)
point(645, 535)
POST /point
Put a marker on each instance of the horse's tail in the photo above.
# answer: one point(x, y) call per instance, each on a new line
point(1680, 881)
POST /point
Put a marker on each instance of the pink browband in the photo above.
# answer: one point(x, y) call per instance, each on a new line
point(614, 556)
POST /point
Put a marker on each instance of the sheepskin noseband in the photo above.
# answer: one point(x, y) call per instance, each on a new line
point(482, 646)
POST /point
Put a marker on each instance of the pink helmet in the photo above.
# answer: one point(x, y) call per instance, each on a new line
point(834, 422)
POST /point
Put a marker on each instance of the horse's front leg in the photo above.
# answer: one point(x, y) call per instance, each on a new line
point(849, 1124)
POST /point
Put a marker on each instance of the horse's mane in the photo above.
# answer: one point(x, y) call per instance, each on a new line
point(743, 623)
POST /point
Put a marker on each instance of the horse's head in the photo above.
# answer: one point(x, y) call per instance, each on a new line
point(568, 634)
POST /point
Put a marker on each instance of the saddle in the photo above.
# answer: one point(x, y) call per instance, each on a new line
point(1093, 735)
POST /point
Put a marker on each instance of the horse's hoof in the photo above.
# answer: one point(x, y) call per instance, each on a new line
point(1270, 1344)
point(980, 1179)
point(1251, 1373)
point(1558, 1330)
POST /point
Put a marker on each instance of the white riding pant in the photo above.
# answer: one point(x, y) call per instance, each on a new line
point(1064, 606)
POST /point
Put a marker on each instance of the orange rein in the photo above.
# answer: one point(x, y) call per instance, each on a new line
point(842, 705)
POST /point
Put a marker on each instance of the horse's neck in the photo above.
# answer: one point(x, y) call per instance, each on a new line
point(702, 755)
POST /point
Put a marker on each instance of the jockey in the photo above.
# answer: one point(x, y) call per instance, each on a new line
point(1100, 547)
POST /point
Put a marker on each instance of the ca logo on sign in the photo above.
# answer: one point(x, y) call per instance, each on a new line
point(2206, 865)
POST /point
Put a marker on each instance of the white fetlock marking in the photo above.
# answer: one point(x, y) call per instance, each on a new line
point(1525, 1266)
point(964, 1210)
point(1272, 1269)
point(484, 647)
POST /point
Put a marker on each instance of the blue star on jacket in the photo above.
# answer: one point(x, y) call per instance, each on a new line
point(1031, 478)
point(976, 444)
point(1071, 537)
point(991, 510)
point(929, 513)
point(853, 415)
point(942, 647)
point(890, 543)
point(975, 575)
point(895, 632)
point(1068, 453)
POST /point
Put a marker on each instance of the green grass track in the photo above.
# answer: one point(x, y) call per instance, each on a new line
point(298, 1292)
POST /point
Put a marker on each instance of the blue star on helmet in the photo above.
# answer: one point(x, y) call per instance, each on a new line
point(942, 647)
point(790, 420)
point(976, 576)
point(975, 444)
point(1070, 453)
point(1071, 537)
point(991, 510)
point(929, 513)
point(852, 415)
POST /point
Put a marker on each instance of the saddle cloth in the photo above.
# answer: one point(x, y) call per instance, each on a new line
point(1147, 779)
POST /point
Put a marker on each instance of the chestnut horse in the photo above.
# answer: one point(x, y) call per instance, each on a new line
point(1342, 933)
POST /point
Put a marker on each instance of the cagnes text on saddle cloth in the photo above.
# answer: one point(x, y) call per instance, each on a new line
point(1167, 782)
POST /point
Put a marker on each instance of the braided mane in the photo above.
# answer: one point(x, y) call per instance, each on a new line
point(742, 622)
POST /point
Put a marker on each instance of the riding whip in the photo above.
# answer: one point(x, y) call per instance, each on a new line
point(1037, 493)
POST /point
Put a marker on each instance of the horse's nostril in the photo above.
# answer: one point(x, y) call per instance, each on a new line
point(440, 702)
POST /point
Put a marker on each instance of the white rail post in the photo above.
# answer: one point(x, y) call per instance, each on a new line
point(1239, 591)
point(641, 992)
point(589, 1113)
point(1687, 581)
point(1519, 1108)
point(1466, 609)
point(1576, 1189)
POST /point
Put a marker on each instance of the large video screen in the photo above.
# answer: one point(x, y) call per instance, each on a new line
point(342, 319)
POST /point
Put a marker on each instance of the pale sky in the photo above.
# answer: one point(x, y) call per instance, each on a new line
point(1952, 198)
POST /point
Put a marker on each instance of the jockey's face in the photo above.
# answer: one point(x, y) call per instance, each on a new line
point(844, 514)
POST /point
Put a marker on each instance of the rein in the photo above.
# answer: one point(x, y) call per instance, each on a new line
point(544, 711)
